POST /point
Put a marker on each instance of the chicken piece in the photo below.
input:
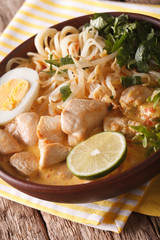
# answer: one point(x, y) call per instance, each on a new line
point(49, 129)
point(72, 141)
point(81, 116)
point(52, 153)
point(8, 143)
point(134, 96)
point(24, 162)
point(26, 126)
point(11, 128)
point(120, 124)
point(148, 113)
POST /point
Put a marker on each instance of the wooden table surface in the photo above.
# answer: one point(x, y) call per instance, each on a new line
point(18, 222)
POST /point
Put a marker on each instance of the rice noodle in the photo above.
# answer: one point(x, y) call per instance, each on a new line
point(93, 74)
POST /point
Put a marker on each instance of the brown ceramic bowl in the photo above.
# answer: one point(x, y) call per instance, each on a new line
point(102, 188)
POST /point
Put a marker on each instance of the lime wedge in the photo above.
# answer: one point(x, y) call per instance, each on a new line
point(98, 155)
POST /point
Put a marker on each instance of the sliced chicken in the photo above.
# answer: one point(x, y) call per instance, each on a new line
point(26, 126)
point(11, 128)
point(134, 96)
point(52, 153)
point(49, 129)
point(8, 143)
point(72, 140)
point(81, 116)
point(24, 162)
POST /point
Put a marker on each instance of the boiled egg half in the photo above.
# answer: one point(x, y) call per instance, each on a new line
point(19, 88)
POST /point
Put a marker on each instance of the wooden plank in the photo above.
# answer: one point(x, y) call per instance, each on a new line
point(138, 227)
point(18, 222)
point(59, 228)
point(144, 1)
point(155, 221)
point(7, 10)
point(21, 222)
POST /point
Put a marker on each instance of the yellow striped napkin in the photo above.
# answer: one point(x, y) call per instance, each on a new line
point(33, 16)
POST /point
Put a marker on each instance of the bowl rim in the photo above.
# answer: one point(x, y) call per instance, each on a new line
point(101, 182)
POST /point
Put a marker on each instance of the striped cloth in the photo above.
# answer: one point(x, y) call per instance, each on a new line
point(33, 16)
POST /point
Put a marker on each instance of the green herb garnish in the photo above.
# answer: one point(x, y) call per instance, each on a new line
point(137, 43)
point(101, 20)
point(50, 73)
point(65, 92)
point(52, 62)
point(150, 138)
point(66, 60)
point(58, 63)
point(98, 23)
point(155, 99)
point(130, 81)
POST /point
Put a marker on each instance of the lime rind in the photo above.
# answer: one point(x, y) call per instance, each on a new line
point(104, 171)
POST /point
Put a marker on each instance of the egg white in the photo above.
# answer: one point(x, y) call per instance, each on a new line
point(25, 105)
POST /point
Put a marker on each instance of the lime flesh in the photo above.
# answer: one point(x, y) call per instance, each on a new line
point(98, 155)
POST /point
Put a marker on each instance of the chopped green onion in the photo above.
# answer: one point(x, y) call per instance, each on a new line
point(130, 81)
point(65, 92)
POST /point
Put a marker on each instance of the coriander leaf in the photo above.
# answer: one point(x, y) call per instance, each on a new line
point(122, 56)
point(118, 43)
point(53, 62)
point(140, 53)
point(50, 73)
point(109, 43)
point(144, 141)
point(155, 99)
point(151, 34)
point(142, 30)
point(58, 63)
point(99, 23)
point(142, 66)
point(130, 81)
point(131, 64)
point(66, 60)
point(119, 22)
point(130, 27)
point(107, 29)
point(137, 42)
point(106, 17)
point(65, 92)
point(144, 54)
point(150, 138)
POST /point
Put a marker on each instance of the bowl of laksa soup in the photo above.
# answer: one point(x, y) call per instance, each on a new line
point(80, 108)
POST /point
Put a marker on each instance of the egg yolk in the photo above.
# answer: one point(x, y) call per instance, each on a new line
point(12, 92)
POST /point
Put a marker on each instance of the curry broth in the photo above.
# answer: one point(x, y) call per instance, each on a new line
point(59, 174)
